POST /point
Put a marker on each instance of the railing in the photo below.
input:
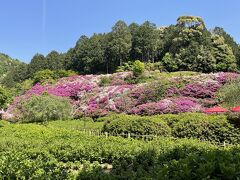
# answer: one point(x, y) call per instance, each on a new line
point(99, 133)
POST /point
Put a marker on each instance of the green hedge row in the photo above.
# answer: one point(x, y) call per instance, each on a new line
point(213, 128)
point(38, 152)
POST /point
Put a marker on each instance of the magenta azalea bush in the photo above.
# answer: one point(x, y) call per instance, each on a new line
point(165, 106)
point(88, 98)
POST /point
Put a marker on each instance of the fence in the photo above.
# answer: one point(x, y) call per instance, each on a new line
point(99, 133)
point(94, 132)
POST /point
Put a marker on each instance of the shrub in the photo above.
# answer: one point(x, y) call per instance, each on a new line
point(3, 123)
point(213, 129)
point(136, 125)
point(40, 152)
point(50, 76)
point(234, 118)
point(154, 66)
point(5, 97)
point(45, 108)
point(43, 76)
point(128, 66)
point(229, 94)
point(138, 68)
point(104, 81)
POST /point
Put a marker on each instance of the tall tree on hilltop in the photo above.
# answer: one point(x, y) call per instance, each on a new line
point(230, 41)
point(55, 61)
point(145, 41)
point(89, 54)
point(120, 43)
point(37, 63)
point(225, 59)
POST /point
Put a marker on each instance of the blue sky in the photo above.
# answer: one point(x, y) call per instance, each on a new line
point(39, 26)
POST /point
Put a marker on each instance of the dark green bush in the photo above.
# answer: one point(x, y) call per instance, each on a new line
point(213, 128)
point(5, 97)
point(136, 125)
point(45, 108)
point(234, 118)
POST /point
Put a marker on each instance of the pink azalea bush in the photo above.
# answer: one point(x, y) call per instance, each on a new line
point(174, 106)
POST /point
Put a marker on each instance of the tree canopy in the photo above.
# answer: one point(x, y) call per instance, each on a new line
point(187, 45)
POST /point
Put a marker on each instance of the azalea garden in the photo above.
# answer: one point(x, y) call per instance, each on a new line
point(91, 114)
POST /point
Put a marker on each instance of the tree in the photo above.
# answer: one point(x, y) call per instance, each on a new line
point(145, 41)
point(54, 61)
point(120, 42)
point(138, 68)
point(225, 59)
point(89, 54)
point(37, 63)
point(5, 97)
point(229, 41)
point(187, 46)
point(17, 74)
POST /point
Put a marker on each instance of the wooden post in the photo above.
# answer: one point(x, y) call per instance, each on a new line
point(106, 134)
point(129, 135)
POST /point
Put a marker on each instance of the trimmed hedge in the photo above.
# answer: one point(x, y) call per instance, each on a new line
point(136, 125)
point(214, 128)
point(37, 152)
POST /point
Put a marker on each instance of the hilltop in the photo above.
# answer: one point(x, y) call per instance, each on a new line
point(6, 64)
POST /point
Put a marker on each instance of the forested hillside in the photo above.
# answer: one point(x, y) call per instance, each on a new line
point(6, 64)
point(188, 45)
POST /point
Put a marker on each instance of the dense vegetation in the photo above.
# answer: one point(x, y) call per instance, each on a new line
point(188, 45)
point(7, 64)
point(57, 124)
point(34, 151)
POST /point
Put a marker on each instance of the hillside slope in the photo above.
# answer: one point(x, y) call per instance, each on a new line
point(6, 63)
point(98, 95)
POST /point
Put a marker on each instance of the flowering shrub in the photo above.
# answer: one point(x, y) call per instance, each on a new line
point(200, 90)
point(174, 106)
point(161, 96)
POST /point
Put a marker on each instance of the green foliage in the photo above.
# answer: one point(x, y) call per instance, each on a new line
point(230, 41)
point(127, 66)
point(234, 118)
point(155, 90)
point(136, 125)
point(45, 108)
point(169, 63)
point(120, 42)
point(229, 95)
point(79, 124)
point(54, 61)
point(213, 128)
point(50, 76)
point(105, 80)
point(16, 74)
point(6, 63)
point(5, 97)
point(138, 68)
point(39, 152)
point(3, 123)
point(157, 66)
point(38, 63)
point(225, 59)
